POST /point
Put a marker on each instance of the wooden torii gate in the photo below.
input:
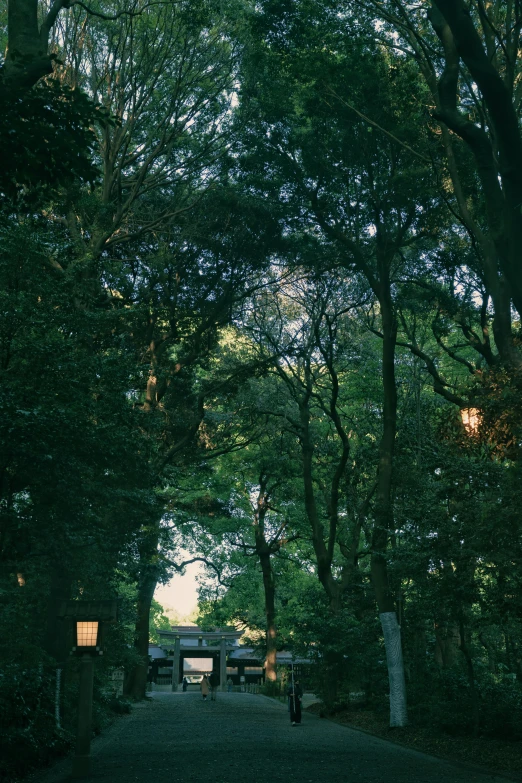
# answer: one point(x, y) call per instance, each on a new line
point(186, 641)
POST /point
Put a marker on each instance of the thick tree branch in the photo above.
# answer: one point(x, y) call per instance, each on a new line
point(179, 567)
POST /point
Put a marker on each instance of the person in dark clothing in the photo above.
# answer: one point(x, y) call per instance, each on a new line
point(213, 682)
point(295, 693)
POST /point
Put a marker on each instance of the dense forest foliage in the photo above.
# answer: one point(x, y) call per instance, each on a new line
point(261, 291)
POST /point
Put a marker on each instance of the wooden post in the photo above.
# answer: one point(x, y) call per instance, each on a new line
point(82, 760)
point(223, 664)
point(175, 664)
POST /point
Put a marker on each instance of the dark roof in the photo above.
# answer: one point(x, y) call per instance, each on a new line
point(195, 629)
point(248, 654)
point(242, 654)
point(155, 651)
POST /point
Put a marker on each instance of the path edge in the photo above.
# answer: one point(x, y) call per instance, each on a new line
point(464, 764)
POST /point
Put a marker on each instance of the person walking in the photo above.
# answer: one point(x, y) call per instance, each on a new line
point(213, 682)
point(185, 684)
point(295, 693)
point(230, 684)
point(204, 687)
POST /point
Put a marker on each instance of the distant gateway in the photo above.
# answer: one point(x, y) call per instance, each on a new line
point(220, 648)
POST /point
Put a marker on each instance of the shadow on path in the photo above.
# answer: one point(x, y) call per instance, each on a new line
point(241, 738)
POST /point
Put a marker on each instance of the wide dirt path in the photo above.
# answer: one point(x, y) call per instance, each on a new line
point(242, 738)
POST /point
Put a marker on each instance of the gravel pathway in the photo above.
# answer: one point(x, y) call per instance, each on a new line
point(242, 738)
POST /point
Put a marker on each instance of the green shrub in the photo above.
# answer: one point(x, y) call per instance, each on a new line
point(29, 737)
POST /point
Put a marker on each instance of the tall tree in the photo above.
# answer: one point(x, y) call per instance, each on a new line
point(359, 195)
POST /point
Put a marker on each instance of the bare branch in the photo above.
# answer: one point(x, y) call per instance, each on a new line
point(376, 125)
point(125, 12)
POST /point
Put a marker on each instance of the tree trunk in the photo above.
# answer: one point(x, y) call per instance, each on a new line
point(271, 634)
point(498, 163)
point(420, 648)
point(447, 644)
point(323, 556)
point(54, 642)
point(392, 642)
point(513, 655)
point(475, 707)
point(136, 683)
point(27, 57)
point(264, 552)
point(384, 520)
point(492, 653)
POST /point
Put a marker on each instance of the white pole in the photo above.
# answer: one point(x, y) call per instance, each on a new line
point(392, 643)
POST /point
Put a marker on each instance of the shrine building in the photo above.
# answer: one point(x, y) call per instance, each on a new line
point(187, 651)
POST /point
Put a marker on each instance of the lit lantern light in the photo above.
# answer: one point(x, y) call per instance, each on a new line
point(87, 635)
point(470, 419)
point(88, 620)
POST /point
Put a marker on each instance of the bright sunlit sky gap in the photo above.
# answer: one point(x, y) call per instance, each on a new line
point(180, 593)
